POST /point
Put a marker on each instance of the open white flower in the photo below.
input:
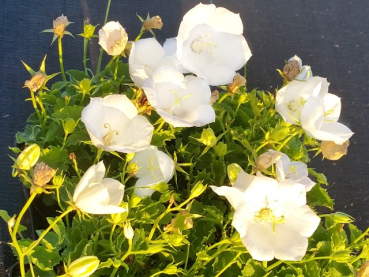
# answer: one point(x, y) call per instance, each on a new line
point(113, 124)
point(309, 104)
point(154, 167)
point(147, 55)
point(297, 171)
point(272, 218)
point(95, 194)
point(211, 45)
point(113, 38)
point(181, 101)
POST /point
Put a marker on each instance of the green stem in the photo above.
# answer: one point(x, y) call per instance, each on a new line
point(187, 256)
point(139, 36)
point(116, 68)
point(19, 251)
point(102, 50)
point(111, 239)
point(223, 97)
point(286, 141)
point(98, 155)
point(123, 258)
point(31, 266)
point(229, 264)
point(60, 48)
point(85, 43)
point(24, 209)
point(33, 98)
point(361, 236)
point(36, 242)
point(261, 146)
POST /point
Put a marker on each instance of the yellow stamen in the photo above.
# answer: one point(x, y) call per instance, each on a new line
point(152, 168)
point(200, 44)
point(109, 136)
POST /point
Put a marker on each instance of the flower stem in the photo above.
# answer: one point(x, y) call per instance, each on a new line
point(111, 239)
point(139, 36)
point(85, 43)
point(116, 68)
point(223, 97)
point(123, 258)
point(102, 50)
point(31, 266)
point(19, 251)
point(24, 209)
point(98, 155)
point(60, 48)
point(33, 98)
point(229, 264)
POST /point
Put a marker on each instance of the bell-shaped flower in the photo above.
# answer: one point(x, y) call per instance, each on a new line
point(294, 70)
point(147, 55)
point(155, 167)
point(113, 38)
point(310, 105)
point(297, 171)
point(272, 218)
point(179, 100)
point(113, 124)
point(95, 194)
point(211, 45)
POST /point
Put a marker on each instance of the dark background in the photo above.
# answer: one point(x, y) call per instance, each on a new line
point(331, 36)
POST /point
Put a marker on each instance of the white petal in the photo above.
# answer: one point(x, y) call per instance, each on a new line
point(147, 52)
point(225, 21)
point(292, 191)
point(170, 46)
point(305, 73)
point(139, 74)
point(92, 197)
point(233, 195)
point(334, 131)
point(122, 103)
point(146, 181)
point(167, 74)
point(111, 26)
point(115, 190)
point(243, 180)
point(166, 164)
point(301, 219)
point(332, 105)
point(219, 75)
point(197, 15)
point(307, 182)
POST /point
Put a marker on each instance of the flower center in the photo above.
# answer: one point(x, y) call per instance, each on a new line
point(293, 170)
point(109, 136)
point(152, 168)
point(177, 101)
point(267, 215)
point(203, 43)
point(117, 45)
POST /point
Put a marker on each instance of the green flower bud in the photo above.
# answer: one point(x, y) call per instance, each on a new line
point(29, 157)
point(220, 149)
point(197, 190)
point(132, 169)
point(133, 202)
point(128, 231)
point(233, 170)
point(129, 157)
point(280, 132)
point(340, 217)
point(58, 180)
point(88, 31)
point(11, 222)
point(161, 187)
point(208, 137)
point(171, 270)
point(83, 267)
point(165, 196)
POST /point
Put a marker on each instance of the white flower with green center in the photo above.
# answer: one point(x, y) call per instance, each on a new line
point(114, 125)
point(297, 171)
point(154, 167)
point(147, 55)
point(95, 194)
point(179, 100)
point(210, 43)
point(272, 218)
point(309, 104)
point(113, 38)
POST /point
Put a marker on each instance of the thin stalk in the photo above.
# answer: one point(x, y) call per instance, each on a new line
point(229, 264)
point(33, 98)
point(187, 256)
point(102, 50)
point(223, 97)
point(60, 48)
point(116, 69)
point(123, 258)
point(85, 43)
point(139, 36)
point(31, 267)
point(98, 155)
point(111, 239)
point(24, 209)
point(19, 251)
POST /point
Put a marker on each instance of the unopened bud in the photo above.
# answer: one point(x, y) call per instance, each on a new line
point(332, 151)
point(60, 24)
point(118, 218)
point(238, 81)
point(233, 170)
point(29, 157)
point(11, 222)
point(220, 149)
point(266, 159)
point(340, 217)
point(214, 97)
point(292, 68)
point(154, 22)
point(132, 169)
point(134, 201)
point(171, 270)
point(42, 174)
point(129, 157)
point(208, 137)
point(364, 270)
point(128, 231)
point(72, 156)
point(36, 82)
point(83, 267)
point(88, 31)
point(197, 190)
point(161, 187)
point(58, 180)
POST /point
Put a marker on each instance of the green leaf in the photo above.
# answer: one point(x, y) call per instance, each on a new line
point(45, 259)
point(39, 272)
point(30, 134)
point(54, 132)
point(4, 215)
point(311, 269)
point(253, 268)
point(318, 196)
point(161, 137)
point(219, 172)
point(77, 137)
point(76, 75)
point(59, 229)
point(67, 112)
point(55, 157)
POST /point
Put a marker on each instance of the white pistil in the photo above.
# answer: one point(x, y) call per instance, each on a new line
point(152, 168)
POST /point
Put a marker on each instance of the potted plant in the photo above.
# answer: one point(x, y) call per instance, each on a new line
point(163, 163)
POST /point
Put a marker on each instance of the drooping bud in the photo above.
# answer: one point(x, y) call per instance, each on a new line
point(154, 22)
point(42, 174)
point(72, 156)
point(332, 151)
point(129, 157)
point(134, 201)
point(266, 159)
point(238, 81)
point(36, 82)
point(292, 68)
point(342, 256)
point(28, 158)
point(208, 137)
point(214, 97)
point(59, 25)
point(161, 187)
point(128, 231)
point(83, 267)
point(233, 170)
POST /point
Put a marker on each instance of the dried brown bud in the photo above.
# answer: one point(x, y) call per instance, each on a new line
point(36, 82)
point(214, 97)
point(266, 159)
point(154, 22)
point(72, 156)
point(238, 81)
point(332, 151)
point(42, 174)
point(60, 24)
point(364, 270)
point(291, 70)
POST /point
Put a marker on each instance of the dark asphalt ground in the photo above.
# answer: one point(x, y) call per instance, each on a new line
point(331, 36)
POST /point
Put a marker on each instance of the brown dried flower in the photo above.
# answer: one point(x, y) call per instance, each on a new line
point(291, 70)
point(332, 151)
point(42, 174)
point(36, 82)
point(266, 159)
point(154, 22)
point(238, 81)
point(364, 270)
point(214, 97)
point(59, 25)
